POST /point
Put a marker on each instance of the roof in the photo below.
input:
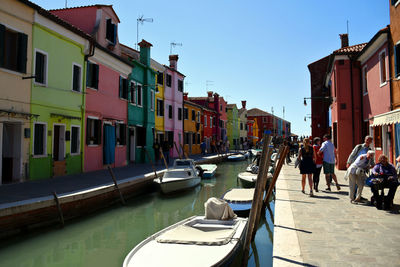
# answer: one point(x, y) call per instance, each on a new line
point(354, 49)
point(379, 38)
point(97, 6)
point(257, 112)
point(167, 67)
point(231, 106)
point(192, 104)
point(240, 111)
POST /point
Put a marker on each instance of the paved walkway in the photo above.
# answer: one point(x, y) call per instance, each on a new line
point(327, 230)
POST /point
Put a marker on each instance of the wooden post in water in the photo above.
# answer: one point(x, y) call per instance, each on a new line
point(177, 150)
point(151, 161)
point(60, 213)
point(257, 197)
point(282, 158)
point(184, 152)
point(165, 161)
point(115, 184)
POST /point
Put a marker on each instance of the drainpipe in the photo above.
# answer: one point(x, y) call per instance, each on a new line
point(390, 67)
point(352, 99)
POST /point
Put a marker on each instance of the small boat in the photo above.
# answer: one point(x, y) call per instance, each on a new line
point(248, 179)
point(182, 175)
point(236, 157)
point(195, 241)
point(208, 170)
point(239, 199)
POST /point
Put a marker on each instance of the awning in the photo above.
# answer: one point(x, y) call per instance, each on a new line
point(390, 117)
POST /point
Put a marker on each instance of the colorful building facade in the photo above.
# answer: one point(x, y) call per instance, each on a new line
point(192, 126)
point(243, 127)
point(233, 126)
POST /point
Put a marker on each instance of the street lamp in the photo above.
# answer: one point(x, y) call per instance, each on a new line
point(327, 98)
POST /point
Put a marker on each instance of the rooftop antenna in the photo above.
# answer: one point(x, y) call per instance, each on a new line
point(173, 44)
point(66, 3)
point(272, 110)
point(186, 84)
point(209, 83)
point(283, 112)
point(140, 20)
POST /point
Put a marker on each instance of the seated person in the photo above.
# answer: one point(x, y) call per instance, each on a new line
point(387, 172)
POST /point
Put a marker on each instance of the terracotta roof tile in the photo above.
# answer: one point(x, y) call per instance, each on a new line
point(257, 112)
point(354, 49)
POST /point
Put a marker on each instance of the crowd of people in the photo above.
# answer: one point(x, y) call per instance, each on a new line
point(313, 156)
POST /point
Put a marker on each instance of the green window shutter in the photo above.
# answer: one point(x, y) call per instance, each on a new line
point(22, 52)
point(2, 41)
point(120, 86)
point(96, 76)
point(89, 74)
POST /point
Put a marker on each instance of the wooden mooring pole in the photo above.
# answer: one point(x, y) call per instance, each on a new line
point(258, 196)
point(177, 150)
point(165, 161)
point(184, 152)
point(151, 161)
point(60, 213)
point(115, 184)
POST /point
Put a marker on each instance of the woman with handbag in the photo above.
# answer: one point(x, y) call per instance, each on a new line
point(307, 165)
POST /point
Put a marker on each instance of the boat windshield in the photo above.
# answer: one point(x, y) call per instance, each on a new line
point(183, 163)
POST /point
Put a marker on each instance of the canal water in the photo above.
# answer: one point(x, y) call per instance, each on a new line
point(106, 237)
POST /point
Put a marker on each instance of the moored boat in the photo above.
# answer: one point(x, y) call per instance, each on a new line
point(248, 179)
point(208, 170)
point(195, 241)
point(240, 200)
point(236, 157)
point(182, 175)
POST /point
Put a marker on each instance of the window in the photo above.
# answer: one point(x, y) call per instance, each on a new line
point(75, 140)
point(160, 107)
point(246, 127)
point(93, 131)
point(40, 67)
point(205, 120)
point(132, 89)
point(395, 2)
point(397, 60)
point(193, 115)
point(179, 114)
point(198, 116)
point(264, 119)
point(180, 85)
point(194, 138)
point(139, 95)
point(76, 77)
point(364, 80)
point(220, 107)
point(186, 138)
point(120, 134)
point(160, 78)
point(211, 122)
point(92, 75)
point(111, 32)
point(185, 114)
point(141, 136)
point(241, 126)
point(123, 88)
point(168, 80)
point(382, 67)
point(13, 49)
point(152, 100)
point(378, 136)
point(198, 138)
point(39, 139)
point(170, 112)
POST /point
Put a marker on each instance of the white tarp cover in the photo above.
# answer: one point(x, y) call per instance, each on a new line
point(239, 195)
point(218, 209)
point(387, 118)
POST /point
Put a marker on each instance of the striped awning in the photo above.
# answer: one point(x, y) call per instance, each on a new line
point(390, 117)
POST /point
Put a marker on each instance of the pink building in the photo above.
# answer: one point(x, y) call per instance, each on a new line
point(375, 87)
point(173, 100)
point(106, 87)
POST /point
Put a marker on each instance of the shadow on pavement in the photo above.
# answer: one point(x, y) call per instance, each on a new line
point(294, 262)
point(290, 228)
point(298, 201)
point(325, 197)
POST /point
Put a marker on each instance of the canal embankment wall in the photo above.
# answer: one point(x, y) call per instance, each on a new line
point(49, 202)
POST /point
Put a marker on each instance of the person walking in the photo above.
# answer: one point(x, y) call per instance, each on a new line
point(307, 165)
point(328, 151)
point(318, 162)
point(357, 174)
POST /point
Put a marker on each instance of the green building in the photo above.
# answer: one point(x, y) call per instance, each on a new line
point(232, 128)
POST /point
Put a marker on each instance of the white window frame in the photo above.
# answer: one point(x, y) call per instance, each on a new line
point(134, 93)
point(382, 83)
point(46, 73)
point(93, 118)
point(137, 95)
point(80, 78)
point(79, 141)
point(152, 98)
point(44, 141)
point(364, 77)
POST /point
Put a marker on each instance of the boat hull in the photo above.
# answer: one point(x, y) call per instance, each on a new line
point(176, 185)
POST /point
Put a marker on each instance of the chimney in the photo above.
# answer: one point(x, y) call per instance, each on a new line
point(244, 104)
point(185, 96)
point(145, 52)
point(173, 61)
point(209, 93)
point(345, 39)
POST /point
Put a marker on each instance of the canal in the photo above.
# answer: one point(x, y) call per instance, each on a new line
point(106, 237)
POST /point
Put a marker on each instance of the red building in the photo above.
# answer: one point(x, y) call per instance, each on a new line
point(207, 119)
point(265, 121)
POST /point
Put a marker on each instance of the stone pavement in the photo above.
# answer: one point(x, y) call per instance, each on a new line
point(327, 230)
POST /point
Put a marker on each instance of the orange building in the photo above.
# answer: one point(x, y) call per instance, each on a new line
point(192, 127)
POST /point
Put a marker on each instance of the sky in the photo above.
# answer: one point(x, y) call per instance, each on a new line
point(254, 50)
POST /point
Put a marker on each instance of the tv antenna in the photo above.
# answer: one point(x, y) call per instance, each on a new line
point(209, 83)
point(173, 44)
point(140, 20)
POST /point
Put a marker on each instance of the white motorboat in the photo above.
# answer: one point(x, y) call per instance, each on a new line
point(195, 241)
point(182, 175)
point(236, 157)
point(208, 170)
point(248, 179)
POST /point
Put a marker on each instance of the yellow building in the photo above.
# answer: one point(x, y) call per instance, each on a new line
point(16, 20)
point(192, 127)
point(159, 101)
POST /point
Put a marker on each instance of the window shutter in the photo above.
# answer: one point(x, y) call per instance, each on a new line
point(115, 34)
point(76, 78)
point(98, 131)
point(120, 86)
point(96, 76)
point(2, 41)
point(88, 74)
point(22, 50)
point(87, 131)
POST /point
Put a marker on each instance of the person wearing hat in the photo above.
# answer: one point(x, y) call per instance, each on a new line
point(357, 174)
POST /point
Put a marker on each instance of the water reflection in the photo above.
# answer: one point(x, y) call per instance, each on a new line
point(105, 238)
